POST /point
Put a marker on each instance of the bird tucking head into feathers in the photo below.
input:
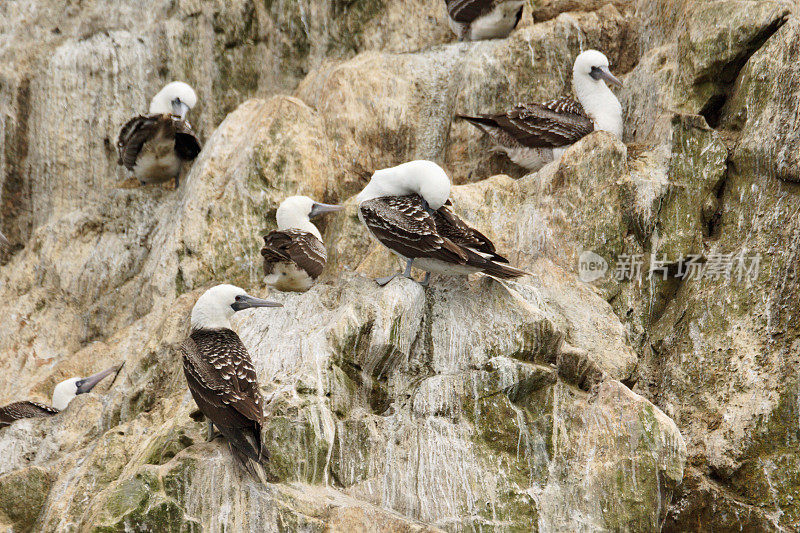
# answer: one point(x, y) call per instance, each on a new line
point(176, 98)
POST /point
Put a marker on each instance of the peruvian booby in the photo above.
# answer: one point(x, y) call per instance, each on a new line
point(475, 20)
point(535, 134)
point(63, 393)
point(155, 146)
point(3, 240)
point(294, 254)
point(406, 208)
point(220, 373)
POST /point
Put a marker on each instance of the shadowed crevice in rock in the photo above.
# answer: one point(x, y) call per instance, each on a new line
point(725, 77)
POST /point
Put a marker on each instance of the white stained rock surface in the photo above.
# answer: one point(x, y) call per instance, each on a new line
point(545, 403)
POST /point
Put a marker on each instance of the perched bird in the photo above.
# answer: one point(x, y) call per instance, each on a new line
point(475, 20)
point(63, 393)
point(406, 208)
point(3, 240)
point(535, 134)
point(154, 146)
point(294, 254)
point(220, 373)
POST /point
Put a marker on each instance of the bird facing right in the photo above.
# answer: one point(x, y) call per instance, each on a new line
point(63, 394)
point(220, 373)
point(294, 254)
point(406, 208)
point(154, 146)
point(532, 135)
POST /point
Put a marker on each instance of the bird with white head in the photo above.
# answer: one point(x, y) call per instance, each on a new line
point(155, 146)
point(221, 376)
point(294, 254)
point(535, 134)
point(405, 208)
point(63, 394)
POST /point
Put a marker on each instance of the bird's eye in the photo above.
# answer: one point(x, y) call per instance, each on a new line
point(239, 298)
point(79, 384)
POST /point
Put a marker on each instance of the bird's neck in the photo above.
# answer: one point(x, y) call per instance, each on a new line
point(303, 224)
point(204, 319)
point(600, 104)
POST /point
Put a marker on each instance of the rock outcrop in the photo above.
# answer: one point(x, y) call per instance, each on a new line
point(548, 403)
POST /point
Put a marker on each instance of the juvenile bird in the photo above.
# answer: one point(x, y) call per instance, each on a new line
point(407, 209)
point(294, 254)
point(154, 146)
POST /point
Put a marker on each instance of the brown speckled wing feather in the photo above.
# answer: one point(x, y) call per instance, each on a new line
point(553, 124)
point(449, 225)
point(402, 224)
point(295, 246)
point(24, 409)
point(465, 11)
point(221, 376)
point(141, 129)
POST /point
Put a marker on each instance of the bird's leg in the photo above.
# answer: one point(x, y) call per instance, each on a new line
point(383, 281)
point(426, 279)
point(212, 434)
point(407, 271)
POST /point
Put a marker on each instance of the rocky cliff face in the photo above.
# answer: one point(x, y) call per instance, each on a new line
point(549, 404)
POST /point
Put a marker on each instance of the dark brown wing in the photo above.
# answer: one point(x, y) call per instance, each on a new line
point(449, 225)
point(134, 134)
point(296, 246)
point(403, 224)
point(465, 11)
point(187, 145)
point(221, 378)
point(141, 129)
point(553, 124)
point(25, 409)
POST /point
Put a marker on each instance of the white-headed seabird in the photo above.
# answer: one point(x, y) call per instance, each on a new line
point(535, 134)
point(475, 20)
point(220, 373)
point(63, 393)
point(294, 254)
point(406, 208)
point(155, 146)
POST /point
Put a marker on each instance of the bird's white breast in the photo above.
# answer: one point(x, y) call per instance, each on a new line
point(157, 161)
point(496, 24)
point(288, 276)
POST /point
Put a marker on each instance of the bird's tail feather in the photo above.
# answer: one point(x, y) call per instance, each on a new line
point(503, 271)
point(478, 121)
point(245, 444)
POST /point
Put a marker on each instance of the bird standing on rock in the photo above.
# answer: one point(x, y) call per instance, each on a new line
point(535, 134)
point(155, 146)
point(220, 373)
point(406, 208)
point(294, 254)
point(63, 394)
point(475, 20)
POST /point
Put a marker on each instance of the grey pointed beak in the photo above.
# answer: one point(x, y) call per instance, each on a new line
point(180, 109)
point(4, 241)
point(87, 384)
point(320, 209)
point(605, 74)
point(245, 301)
